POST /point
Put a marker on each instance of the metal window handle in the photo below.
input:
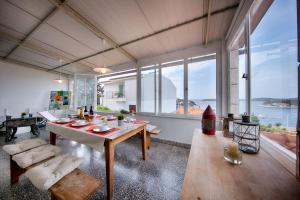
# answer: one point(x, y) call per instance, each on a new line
point(245, 76)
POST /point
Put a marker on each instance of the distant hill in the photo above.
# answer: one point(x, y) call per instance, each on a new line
point(278, 102)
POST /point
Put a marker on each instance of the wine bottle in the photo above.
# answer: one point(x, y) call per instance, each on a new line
point(91, 110)
point(85, 111)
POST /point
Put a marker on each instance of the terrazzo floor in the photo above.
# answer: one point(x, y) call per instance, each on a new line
point(159, 177)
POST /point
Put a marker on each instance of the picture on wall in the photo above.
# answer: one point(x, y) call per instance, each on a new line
point(59, 100)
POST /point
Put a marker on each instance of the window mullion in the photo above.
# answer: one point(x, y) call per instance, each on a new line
point(159, 88)
point(248, 64)
point(185, 86)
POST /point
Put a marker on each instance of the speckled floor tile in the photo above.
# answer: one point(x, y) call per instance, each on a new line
point(159, 177)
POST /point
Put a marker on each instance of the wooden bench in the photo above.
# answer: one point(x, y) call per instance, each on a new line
point(75, 186)
point(149, 133)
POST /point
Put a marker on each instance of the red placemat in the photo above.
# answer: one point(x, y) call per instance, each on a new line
point(90, 130)
point(138, 121)
point(77, 127)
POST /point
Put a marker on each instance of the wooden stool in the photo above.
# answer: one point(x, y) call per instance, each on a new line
point(75, 186)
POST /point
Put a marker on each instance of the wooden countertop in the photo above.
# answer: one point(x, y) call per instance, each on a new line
point(209, 176)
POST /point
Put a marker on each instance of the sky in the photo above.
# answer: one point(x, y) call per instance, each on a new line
point(274, 53)
point(201, 79)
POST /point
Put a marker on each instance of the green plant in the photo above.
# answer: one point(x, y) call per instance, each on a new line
point(254, 118)
point(125, 112)
point(103, 108)
point(120, 116)
point(23, 114)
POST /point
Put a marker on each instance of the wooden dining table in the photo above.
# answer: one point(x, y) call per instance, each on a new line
point(110, 140)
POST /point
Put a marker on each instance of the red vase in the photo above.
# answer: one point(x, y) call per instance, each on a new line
point(209, 121)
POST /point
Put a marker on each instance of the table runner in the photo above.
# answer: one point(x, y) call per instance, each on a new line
point(79, 135)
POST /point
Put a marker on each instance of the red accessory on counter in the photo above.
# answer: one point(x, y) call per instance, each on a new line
point(209, 121)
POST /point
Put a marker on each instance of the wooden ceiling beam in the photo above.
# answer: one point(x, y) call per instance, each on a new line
point(154, 33)
point(208, 21)
point(32, 66)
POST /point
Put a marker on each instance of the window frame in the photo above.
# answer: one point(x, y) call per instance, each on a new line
point(185, 62)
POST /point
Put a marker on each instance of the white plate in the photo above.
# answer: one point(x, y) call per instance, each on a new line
point(103, 128)
point(76, 124)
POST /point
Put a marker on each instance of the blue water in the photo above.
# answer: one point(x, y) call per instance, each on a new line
point(267, 115)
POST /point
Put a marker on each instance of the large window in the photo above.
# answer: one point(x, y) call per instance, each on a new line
point(117, 92)
point(201, 85)
point(270, 84)
point(181, 87)
point(172, 89)
point(274, 73)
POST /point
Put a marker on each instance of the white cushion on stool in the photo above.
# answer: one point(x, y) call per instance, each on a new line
point(45, 175)
point(24, 145)
point(150, 127)
point(36, 155)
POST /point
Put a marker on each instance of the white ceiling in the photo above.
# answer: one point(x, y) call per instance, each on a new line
point(63, 38)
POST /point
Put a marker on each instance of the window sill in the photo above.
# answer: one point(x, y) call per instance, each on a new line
point(282, 155)
point(174, 116)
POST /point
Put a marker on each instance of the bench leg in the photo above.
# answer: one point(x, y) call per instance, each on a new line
point(148, 140)
point(52, 138)
point(15, 172)
point(53, 197)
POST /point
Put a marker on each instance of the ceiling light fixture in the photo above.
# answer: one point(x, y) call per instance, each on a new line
point(59, 80)
point(102, 70)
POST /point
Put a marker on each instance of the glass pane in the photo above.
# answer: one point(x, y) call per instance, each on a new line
point(274, 73)
point(117, 92)
point(242, 81)
point(202, 86)
point(172, 89)
point(147, 90)
point(85, 85)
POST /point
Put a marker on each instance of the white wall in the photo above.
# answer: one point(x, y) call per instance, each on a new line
point(22, 88)
point(173, 129)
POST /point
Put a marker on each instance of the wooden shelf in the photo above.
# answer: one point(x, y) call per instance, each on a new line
point(209, 176)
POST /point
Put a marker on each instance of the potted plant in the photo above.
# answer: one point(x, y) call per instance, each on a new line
point(125, 112)
point(23, 114)
point(120, 119)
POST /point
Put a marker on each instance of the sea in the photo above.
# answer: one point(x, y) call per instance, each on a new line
point(287, 117)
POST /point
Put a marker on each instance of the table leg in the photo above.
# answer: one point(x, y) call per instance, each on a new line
point(52, 138)
point(109, 164)
point(34, 129)
point(144, 143)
